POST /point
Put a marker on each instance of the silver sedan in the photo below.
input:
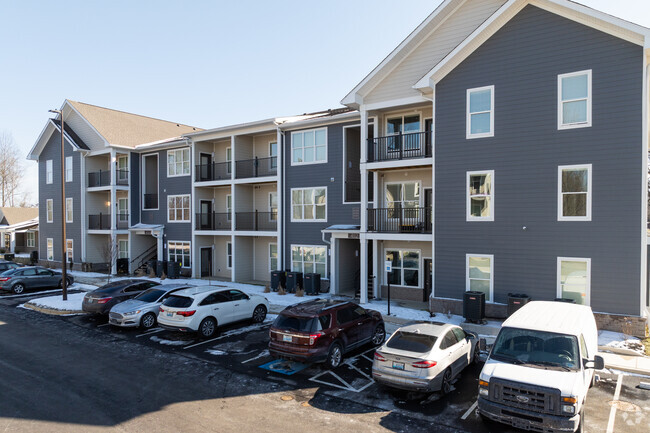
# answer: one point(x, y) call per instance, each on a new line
point(142, 310)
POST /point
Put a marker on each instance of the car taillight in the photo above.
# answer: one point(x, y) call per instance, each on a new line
point(4, 278)
point(314, 337)
point(161, 309)
point(379, 357)
point(104, 300)
point(186, 313)
point(424, 364)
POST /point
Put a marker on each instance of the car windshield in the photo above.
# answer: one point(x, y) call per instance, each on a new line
point(547, 349)
point(298, 324)
point(178, 302)
point(150, 295)
point(411, 342)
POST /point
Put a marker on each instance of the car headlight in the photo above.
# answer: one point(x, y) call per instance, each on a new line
point(132, 313)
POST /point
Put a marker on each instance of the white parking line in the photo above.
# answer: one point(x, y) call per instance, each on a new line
point(264, 353)
point(22, 295)
point(201, 342)
point(612, 411)
point(105, 324)
point(149, 332)
point(469, 411)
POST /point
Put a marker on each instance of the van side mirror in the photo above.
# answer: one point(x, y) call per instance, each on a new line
point(598, 363)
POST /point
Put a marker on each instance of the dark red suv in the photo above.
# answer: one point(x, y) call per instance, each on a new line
point(323, 330)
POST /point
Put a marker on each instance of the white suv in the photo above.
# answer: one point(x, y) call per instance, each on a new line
point(202, 309)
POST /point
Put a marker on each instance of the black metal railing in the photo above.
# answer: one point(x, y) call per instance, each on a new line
point(99, 222)
point(150, 201)
point(122, 177)
point(256, 221)
point(103, 178)
point(213, 221)
point(352, 190)
point(400, 146)
point(400, 220)
point(213, 171)
point(258, 167)
point(122, 220)
point(146, 255)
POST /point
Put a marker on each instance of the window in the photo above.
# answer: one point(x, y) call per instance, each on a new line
point(273, 206)
point(122, 169)
point(406, 267)
point(178, 162)
point(229, 255)
point(309, 204)
point(179, 252)
point(273, 257)
point(479, 277)
point(48, 171)
point(229, 159)
point(49, 210)
point(574, 193)
point(480, 112)
point(229, 206)
point(69, 210)
point(574, 279)
point(273, 153)
point(68, 169)
point(309, 259)
point(480, 195)
point(403, 125)
point(178, 208)
point(31, 239)
point(122, 211)
point(50, 249)
point(123, 249)
point(402, 196)
point(309, 147)
point(69, 250)
point(574, 100)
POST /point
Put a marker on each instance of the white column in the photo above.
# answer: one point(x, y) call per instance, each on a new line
point(363, 256)
point(363, 211)
point(334, 245)
point(433, 193)
point(375, 269)
point(280, 186)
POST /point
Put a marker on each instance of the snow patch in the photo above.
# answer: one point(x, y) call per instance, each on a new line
point(168, 342)
point(619, 340)
point(57, 303)
point(216, 352)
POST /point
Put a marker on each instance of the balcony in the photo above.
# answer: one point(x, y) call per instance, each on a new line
point(103, 178)
point(99, 222)
point(256, 221)
point(258, 167)
point(400, 220)
point(214, 171)
point(213, 221)
point(150, 201)
point(411, 145)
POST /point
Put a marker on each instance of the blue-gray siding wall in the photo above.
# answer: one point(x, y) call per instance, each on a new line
point(522, 61)
point(52, 150)
point(313, 175)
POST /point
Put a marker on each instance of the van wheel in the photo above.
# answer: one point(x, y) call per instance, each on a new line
point(446, 382)
point(207, 327)
point(335, 356)
point(581, 426)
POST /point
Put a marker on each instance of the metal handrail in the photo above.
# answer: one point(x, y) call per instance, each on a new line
point(400, 220)
point(400, 146)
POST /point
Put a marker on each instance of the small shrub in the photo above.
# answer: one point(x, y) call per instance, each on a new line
point(140, 273)
point(163, 276)
point(281, 291)
point(267, 289)
point(152, 273)
point(300, 292)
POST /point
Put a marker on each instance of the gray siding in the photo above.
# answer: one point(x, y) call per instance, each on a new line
point(522, 61)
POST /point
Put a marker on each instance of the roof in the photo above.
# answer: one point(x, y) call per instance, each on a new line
point(428, 328)
point(312, 307)
point(23, 226)
point(551, 316)
point(15, 215)
point(193, 291)
point(128, 129)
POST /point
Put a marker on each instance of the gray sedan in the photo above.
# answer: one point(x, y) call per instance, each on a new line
point(31, 277)
point(142, 310)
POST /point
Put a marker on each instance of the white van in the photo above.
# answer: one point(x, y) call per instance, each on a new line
point(540, 368)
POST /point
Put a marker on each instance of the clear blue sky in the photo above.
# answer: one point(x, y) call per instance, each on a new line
point(203, 63)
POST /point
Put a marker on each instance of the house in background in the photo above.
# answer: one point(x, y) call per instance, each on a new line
point(19, 229)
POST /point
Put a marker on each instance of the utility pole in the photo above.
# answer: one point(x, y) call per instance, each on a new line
point(64, 250)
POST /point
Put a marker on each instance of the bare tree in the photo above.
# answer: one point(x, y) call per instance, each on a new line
point(109, 252)
point(11, 172)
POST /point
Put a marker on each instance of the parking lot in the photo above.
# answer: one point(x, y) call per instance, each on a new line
point(615, 404)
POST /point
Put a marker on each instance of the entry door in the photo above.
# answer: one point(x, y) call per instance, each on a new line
point(428, 279)
point(206, 261)
point(428, 202)
point(206, 166)
point(206, 214)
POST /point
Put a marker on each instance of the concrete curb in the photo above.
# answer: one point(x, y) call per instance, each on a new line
point(51, 311)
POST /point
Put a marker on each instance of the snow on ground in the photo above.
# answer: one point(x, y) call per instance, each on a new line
point(168, 342)
point(57, 303)
point(620, 341)
point(22, 255)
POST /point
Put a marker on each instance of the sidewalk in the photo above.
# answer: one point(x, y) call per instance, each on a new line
point(630, 364)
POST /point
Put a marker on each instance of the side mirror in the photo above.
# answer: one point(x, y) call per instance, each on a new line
point(598, 363)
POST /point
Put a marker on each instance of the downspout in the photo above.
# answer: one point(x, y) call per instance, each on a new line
point(282, 196)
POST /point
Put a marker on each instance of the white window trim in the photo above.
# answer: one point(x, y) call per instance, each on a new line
point(179, 243)
point(68, 169)
point(560, 123)
point(49, 203)
point(190, 208)
point(559, 276)
point(49, 174)
point(560, 203)
point(467, 285)
point(468, 123)
point(420, 262)
point(48, 242)
point(406, 182)
point(117, 165)
point(312, 162)
point(229, 255)
point(390, 117)
point(71, 201)
point(468, 201)
point(271, 193)
point(30, 241)
point(303, 261)
point(119, 250)
point(175, 161)
point(276, 252)
point(69, 250)
point(308, 220)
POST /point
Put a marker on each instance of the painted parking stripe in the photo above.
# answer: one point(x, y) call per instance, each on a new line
point(101, 326)
point(150, 332)
point(469, 411)
point(201, 342)
point(612, 411)
point(263, 354)
point(22, 295)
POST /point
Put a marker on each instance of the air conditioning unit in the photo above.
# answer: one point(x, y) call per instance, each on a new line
point(294, 280)
point(312, 284)
point(474, 306)
point(278, 278)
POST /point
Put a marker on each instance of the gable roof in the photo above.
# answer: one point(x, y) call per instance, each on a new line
point(15, 215)
point(72, 137)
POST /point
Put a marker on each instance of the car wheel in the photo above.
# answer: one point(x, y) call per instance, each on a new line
point(379, 335)
point(148, 321)
point(18, 288)
point(259, 314)
point(207, 327)
point(446, 382)
point(69, 282)
point(335, 356)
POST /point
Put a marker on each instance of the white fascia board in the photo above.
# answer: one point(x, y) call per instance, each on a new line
point(237, 129)
point(43, 137)
point(397, 102)
point(320, 121)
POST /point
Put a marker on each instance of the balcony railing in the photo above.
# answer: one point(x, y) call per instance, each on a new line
point(213, 221)
point(214, 171)
point(122, 220)
point(258, 167)
point(99, 222)
point(400, 146)
point(400, 220)
point(150, 201)
point(103, 178)
point(256, 221)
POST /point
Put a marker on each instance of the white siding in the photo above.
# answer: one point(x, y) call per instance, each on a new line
point(88, 134)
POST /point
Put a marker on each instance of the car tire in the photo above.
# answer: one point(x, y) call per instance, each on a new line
point(378, 335)
point(259, 314)
point(148, 321)
point(334, 356)
point(208, 327)
point(18, 288)
point(445, 386)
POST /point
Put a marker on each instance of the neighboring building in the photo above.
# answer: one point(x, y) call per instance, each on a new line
point(19, 229)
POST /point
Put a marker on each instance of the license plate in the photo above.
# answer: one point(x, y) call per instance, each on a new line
point(90, 300)
point(398, 365)
point(287, 338)
point(170, 314)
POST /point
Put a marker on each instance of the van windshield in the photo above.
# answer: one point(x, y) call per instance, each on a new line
point(538, 348)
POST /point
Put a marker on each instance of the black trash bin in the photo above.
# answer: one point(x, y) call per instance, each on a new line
point(474, 306)
point(294, 280)
point(173, 270)
point(516, 301)
point(278, 278)
point(312, 284)
point(152, 265)
point(33, 257)
point(161, 267)
point(122, 266)
point(567, 300)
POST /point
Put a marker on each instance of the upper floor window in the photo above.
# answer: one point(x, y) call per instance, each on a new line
point(122, 169)
point(69, 206)
point(480, 112)
point(48, 171)
point(178, 162)
point(574, 193)
point(309, 147)
point(68, 169)
point(273, 206)
point(403, 124)
point(273, 154)
point(178, 208)
point(574, 100)
point(49, 210)
point(309, 204)
point(480, 195)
